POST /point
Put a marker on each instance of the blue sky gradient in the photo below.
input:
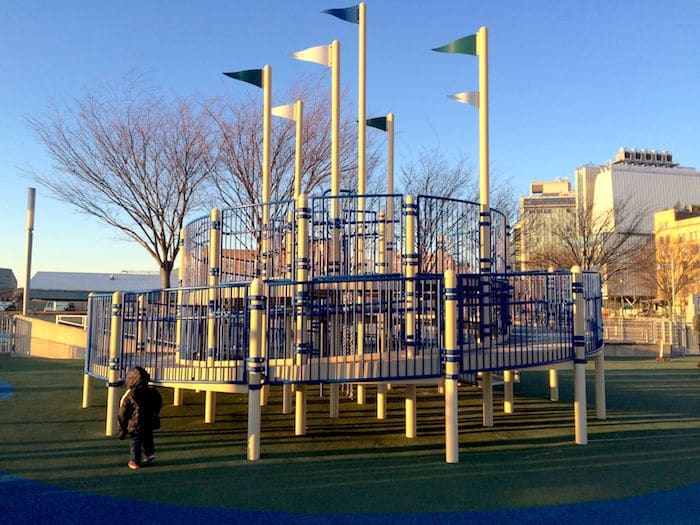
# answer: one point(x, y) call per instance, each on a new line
point(570, 83)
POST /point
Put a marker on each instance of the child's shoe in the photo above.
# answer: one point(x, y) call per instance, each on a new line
point(149, 459)
point(133, 465)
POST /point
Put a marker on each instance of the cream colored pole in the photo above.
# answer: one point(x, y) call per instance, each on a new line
point(508, 391)
point(299, 138)
point(87, 391)
point(580, 422)
point(113, 375)
point(410, 411)
point(301, 305)
point(553, 384)
point(335, 192)
point(181, 273)
point(212, 336)
point(452, 366)
point(361, 182)
point(553, 372)
point(256, 366)
point(384, 318)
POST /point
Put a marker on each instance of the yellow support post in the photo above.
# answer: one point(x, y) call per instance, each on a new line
point(301, 304)
point(580, 422)
point(256, 365)
point(453, 362)
point(113, 375)
point(410, 270)
point(212, 335)
point(508, 391)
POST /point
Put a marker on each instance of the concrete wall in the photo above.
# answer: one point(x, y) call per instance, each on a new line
point(39, 338)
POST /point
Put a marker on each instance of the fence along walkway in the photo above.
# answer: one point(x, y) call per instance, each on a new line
point(361, 301)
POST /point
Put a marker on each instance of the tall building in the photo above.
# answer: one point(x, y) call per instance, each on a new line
point(548, 203)
point(617, 201)
point(630, 189)
point(637, 181)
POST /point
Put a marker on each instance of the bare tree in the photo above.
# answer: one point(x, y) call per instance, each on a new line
point(677, 268)
point(131, 159)
point(448, 235)
point(611, 240)
point(239, 182)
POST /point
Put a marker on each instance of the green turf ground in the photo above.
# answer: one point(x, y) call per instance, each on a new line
point(650, 442)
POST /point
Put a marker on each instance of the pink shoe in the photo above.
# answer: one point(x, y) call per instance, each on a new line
point(133, 465)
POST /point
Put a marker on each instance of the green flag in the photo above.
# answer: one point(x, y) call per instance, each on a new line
point(252, 76)
point(378, 122)
point(466, 45)
point(349, 14)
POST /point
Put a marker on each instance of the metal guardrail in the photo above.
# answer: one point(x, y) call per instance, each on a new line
point(641, 331)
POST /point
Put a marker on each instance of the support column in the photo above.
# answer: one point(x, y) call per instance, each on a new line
point(334, 400)
point(580, 422)
point(410, 411)
point(600, 402)
point(301, 310)
point(255, 364)
point(177, 397)
point(113, 375)
point(212, 311)
point(381, 401)
point(554, 384)
point(87, 391)
point(508, 391)
point(410, 270)
point(453, 361)
point(300, 412)
point(487, 398)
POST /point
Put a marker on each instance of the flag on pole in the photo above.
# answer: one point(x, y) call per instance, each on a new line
point(378, 122)
point(286, 111)
point(466, 45)
point(252, 76)
point(319, 54)
point(466, 97)
point(349, 14)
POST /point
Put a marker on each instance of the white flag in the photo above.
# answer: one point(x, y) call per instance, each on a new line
point(319, 54)
point(466, 97)
point(286, 111)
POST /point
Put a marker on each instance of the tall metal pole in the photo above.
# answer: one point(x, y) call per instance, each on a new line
point(298, 162)
point(31, 194)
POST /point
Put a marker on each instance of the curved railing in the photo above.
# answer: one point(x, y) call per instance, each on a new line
point(353, 329)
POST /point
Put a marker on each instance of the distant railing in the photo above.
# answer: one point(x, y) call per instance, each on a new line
point(7, 334)
point(642, 331)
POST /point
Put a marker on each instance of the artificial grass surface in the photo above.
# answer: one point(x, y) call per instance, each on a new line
point(650, 442)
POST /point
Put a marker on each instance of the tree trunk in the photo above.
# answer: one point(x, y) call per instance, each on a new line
point(166, 269)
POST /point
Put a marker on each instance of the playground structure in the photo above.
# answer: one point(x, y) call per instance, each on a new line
point(351, 289)
point(359, 300)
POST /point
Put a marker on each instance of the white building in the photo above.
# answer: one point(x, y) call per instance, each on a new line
point(637, 180)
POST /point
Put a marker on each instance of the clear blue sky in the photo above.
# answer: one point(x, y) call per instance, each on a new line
point(570, 83)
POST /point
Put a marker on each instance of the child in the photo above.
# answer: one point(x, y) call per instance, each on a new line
point(139, 411)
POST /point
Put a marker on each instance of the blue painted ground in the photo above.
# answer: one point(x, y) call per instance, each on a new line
point(23, 501)
point(6, 390)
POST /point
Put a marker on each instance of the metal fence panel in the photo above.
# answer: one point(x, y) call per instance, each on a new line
point(518, 320)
